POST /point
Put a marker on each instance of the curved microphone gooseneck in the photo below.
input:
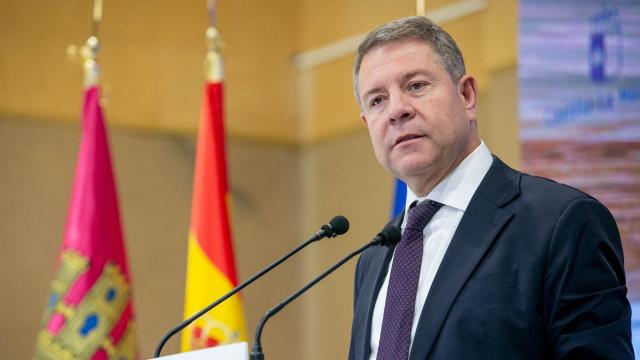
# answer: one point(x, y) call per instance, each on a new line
point(389, 236)
point(337, 226)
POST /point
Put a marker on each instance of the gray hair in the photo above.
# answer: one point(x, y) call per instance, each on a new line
point(412, 28)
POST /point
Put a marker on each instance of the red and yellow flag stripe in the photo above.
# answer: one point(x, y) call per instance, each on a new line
point(211, 270)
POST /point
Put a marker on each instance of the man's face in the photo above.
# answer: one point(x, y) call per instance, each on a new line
point(421, 123)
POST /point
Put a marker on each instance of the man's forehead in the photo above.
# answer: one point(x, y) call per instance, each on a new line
point(382, 65)
point(408, 44)
point(413, 54)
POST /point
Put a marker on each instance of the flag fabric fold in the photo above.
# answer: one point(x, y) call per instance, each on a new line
point(399, 198)
point(211, 270)
point(89, 314)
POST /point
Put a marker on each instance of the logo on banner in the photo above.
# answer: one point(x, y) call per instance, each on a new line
point(605, 44)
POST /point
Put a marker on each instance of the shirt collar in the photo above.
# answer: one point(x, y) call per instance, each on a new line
point(457, 189)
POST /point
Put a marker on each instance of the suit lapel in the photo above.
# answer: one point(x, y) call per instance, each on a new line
point(380, 264)
point(482, 221)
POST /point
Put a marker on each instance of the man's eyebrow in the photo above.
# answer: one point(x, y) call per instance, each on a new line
point(406, 77)
point(403, 79)
point(372, 91)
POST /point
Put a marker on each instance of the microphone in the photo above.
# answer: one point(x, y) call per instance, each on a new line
point(337, 226)
point(389, 236)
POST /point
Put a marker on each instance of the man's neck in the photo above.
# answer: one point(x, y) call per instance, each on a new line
point(422, 185)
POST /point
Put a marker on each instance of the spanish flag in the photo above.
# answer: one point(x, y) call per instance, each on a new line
point(211, 270)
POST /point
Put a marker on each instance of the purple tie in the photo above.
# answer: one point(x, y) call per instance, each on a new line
point(395, 337)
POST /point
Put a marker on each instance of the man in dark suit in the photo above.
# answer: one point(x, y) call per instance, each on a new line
point(493, 263)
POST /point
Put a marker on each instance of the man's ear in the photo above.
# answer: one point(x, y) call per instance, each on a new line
point(468, 90)
point(364, 119)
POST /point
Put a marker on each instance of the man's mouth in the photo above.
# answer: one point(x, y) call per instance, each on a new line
point(406, 138)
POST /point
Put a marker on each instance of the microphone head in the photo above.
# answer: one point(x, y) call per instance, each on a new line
point(390, 235)
point(337, 226)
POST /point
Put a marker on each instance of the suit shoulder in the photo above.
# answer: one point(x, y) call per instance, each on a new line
point(541, 189)
point(542, 198)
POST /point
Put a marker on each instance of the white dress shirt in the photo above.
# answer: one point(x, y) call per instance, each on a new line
point(455, 193)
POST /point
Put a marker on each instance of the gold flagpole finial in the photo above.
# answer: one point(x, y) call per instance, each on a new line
point(88, 53)
point(420, 10)
point(213, 60)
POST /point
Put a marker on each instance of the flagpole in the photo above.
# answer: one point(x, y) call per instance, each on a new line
point(97, 17)
point(88, 53)
point(213, 60)
point(211, 12)
point(420, 10)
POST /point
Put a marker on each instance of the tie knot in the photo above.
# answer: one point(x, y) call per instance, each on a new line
point(420, 214)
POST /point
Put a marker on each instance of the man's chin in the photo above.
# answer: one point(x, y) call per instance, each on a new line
point(406, 173)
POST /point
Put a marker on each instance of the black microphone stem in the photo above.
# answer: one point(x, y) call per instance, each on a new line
point(315, 237)
point(256, 352)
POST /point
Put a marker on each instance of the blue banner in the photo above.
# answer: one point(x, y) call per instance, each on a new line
point(579, 108)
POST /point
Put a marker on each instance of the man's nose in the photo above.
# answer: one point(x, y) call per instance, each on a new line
point(400, 108)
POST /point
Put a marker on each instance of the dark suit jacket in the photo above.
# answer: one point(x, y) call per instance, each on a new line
point(534, 271)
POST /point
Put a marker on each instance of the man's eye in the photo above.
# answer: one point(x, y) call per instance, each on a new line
point(375, 101)
point(417, 85)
